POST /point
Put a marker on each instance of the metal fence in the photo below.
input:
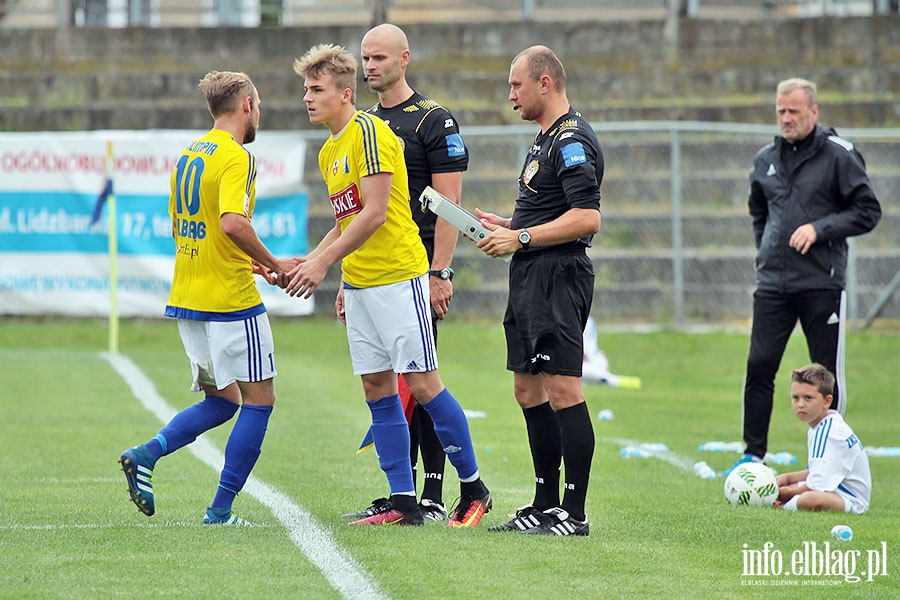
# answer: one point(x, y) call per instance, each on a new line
point(255, 13)
point(676, 245)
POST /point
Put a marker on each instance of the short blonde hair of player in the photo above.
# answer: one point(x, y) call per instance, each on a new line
point(817, 376)
point(329, 59)
point(224, 91)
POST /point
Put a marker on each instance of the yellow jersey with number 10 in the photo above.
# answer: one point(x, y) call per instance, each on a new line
point(213, 278)
point(393, 253)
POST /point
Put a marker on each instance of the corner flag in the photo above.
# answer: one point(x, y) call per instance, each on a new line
point(107, 190)
point(105, 193)
point(108, 197)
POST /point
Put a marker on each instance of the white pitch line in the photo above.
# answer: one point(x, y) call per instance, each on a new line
point(670, 457)
point(344, 574)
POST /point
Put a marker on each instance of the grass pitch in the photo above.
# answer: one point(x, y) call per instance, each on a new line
point(68, 530)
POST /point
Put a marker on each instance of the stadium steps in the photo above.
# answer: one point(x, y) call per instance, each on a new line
point(131, 79)
point(51, 101)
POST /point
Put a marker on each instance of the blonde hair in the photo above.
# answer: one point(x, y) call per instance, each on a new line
point(224, 91)
point(329, 59)
point(795, 83)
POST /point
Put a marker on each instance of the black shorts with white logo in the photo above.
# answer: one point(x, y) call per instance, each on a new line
point(549, 303)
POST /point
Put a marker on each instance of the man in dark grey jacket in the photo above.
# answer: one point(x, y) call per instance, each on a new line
point(809, 192)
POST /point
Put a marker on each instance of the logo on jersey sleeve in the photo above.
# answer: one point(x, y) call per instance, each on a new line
point(573, 154)
point(455, 145)
point(346, 203)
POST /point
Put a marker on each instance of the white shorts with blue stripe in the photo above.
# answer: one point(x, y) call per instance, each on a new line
point(222, 352)
point(389, 327)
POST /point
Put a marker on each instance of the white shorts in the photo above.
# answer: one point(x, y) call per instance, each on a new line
point(851, 504)
point(222, 352)
point(389, 328)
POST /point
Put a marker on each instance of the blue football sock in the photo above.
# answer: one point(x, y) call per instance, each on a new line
point(452, 429)
point(391, 435)
point(241, 452)
point(184, 427)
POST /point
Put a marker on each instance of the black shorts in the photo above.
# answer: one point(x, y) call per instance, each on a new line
point(549, 303)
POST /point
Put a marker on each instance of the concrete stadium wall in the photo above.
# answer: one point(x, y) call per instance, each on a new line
point(718, 70)
point(721, 71)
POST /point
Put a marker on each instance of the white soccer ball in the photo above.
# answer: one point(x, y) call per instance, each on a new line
point(751, 483)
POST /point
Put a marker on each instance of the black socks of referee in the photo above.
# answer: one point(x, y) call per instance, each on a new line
point(545, 441)
point(578, 453)
point(433, 456)
point(566, 436)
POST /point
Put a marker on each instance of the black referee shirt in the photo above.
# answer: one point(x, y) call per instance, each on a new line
point(563, 170)
point(431, 144)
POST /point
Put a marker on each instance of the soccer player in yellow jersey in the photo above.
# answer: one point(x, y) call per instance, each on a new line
point(384, 297)
point(221, 317)
point(436, 156)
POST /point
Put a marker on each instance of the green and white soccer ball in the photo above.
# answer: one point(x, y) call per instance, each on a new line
point(751, 483)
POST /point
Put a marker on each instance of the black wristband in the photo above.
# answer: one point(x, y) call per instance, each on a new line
point(445, 274)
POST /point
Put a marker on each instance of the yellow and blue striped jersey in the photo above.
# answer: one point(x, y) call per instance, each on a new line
point(213, 278)
point(393, 253)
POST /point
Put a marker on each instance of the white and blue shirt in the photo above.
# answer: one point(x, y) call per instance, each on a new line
point(837, 461)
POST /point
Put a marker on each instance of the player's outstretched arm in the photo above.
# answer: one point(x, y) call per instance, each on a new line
point(274, 277)
point(240, 231)
point(375, 191)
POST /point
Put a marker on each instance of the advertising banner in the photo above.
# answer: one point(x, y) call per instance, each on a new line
point(55, 260)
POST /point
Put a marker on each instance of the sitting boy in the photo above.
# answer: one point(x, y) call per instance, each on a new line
point(837, 476)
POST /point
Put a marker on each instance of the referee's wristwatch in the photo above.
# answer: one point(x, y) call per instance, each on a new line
point(524, 238)
point(445, 274)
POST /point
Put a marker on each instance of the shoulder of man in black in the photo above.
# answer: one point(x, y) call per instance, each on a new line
point(574, 129)
point(418, 112)
point(822, 139)
point(842, 145)
point(767, 149)
point(438, 132)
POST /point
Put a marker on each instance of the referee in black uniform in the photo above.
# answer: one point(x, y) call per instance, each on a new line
point(551, 284)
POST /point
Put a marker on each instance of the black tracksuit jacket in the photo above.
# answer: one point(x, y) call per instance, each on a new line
point(820, 180)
